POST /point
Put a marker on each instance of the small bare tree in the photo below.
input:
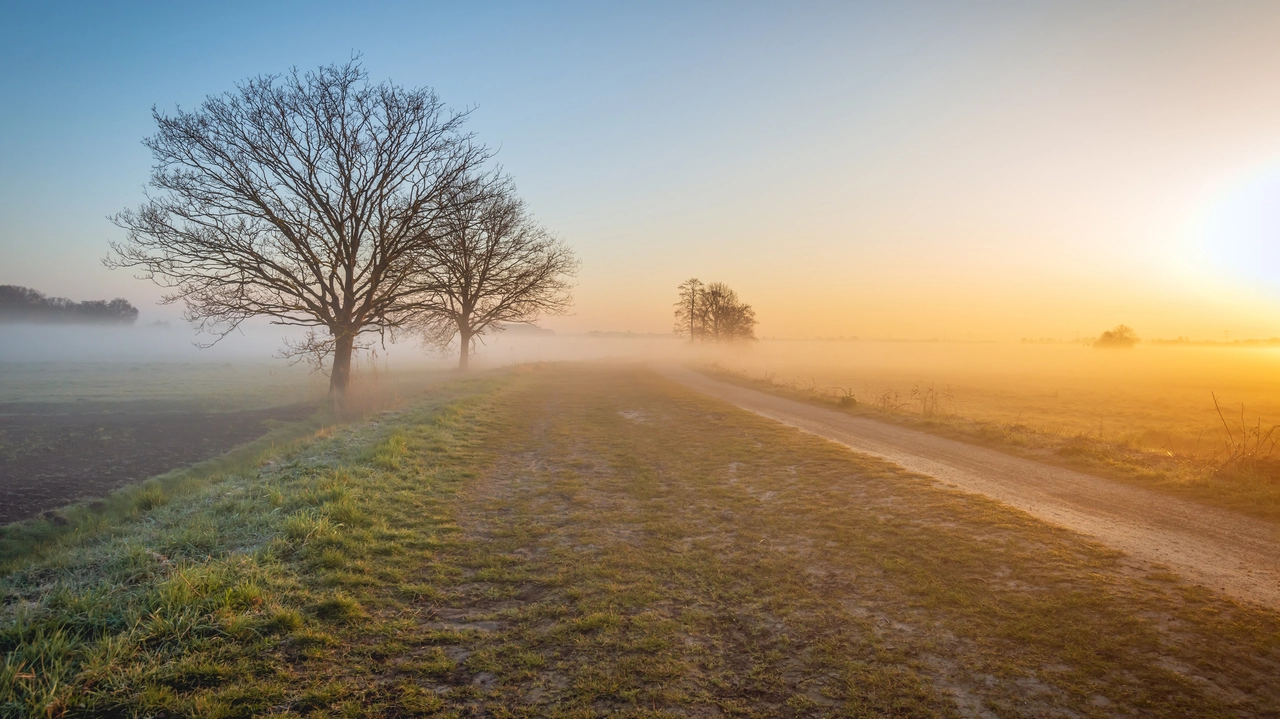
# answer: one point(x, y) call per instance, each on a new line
point(689, 315)
point(492, 265)
point(310, 198)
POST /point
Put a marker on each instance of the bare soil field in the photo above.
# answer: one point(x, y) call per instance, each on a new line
point(51, 455)
point(71, 431)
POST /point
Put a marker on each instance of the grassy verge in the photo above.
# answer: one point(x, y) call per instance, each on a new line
point(586, 541)
point(21, 541)
point(1250, 486)
point(165, 602)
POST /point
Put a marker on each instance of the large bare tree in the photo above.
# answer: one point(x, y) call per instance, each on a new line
point(493, 265)
point(310, 198)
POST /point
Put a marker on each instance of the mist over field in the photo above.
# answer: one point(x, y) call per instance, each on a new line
point(177, 342)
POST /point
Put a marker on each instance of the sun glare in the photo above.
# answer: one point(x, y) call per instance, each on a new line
point(1238, 231)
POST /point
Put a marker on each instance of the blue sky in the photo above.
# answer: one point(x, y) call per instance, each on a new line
point(930, 167)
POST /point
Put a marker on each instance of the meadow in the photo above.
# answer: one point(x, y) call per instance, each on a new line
point(590, 540)
point(1192, 419)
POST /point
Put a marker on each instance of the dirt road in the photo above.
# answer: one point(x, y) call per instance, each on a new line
point(1220, 549)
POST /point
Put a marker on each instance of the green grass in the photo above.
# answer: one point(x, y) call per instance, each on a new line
point(1251, 488)
point(22, 541)
point(167, 601)
point(371, 392)
point(581, 541)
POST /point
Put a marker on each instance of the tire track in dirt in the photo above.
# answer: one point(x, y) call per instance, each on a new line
point(1220, 549)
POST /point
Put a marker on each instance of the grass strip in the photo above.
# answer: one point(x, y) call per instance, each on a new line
point(197, 603)
point(25, 540)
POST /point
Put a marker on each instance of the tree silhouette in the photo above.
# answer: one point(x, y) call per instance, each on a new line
point(23, 304)
point(713, 313)
point(1118, 336)
point(689, 309)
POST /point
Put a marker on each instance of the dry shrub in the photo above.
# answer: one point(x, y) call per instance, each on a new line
point(931, 401)
point(889, 401)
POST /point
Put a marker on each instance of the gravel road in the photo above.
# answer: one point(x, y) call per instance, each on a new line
point(1218, 548)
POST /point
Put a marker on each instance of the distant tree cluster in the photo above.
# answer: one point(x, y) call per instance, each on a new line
point(23, 304)
point(713, 313)
point(322, 200)
point(1117, 337)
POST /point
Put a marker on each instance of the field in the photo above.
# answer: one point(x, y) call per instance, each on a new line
point(1146, 414)
point(79, 430)
point(161, 386)
point(587, 540)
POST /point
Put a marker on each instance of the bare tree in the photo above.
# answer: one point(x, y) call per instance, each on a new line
point(493, 265)
point(727, 318)
point(309, 198)
point(713, 312)
point(689, 315)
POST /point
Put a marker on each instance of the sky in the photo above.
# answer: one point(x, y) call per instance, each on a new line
point(978, 170)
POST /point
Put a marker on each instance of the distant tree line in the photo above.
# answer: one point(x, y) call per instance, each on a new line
point(713, 313)
point(358, 210)
point(23, 304)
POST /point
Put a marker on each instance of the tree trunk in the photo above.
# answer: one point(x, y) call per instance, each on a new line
point(340, 377)
point(464, 355)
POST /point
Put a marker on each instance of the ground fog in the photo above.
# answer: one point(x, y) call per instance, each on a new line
point(1155, 397)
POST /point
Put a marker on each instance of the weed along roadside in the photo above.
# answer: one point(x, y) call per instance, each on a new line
point(582, 540)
